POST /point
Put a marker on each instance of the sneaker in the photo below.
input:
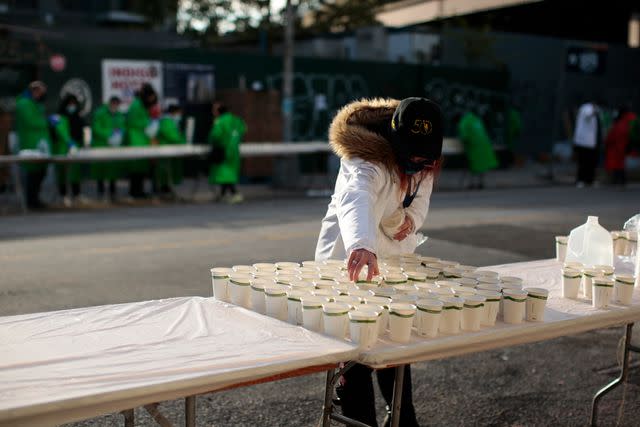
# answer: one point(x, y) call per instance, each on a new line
point(235, 199)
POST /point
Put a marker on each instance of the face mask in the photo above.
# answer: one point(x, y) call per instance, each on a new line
point(412, 168)
point(72, 109)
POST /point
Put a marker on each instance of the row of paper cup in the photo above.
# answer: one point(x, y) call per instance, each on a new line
point(599, 284)
point(444, 306)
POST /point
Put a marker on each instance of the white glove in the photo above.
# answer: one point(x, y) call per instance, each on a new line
point(43, 147)
point(115, 140)
point(152, 129)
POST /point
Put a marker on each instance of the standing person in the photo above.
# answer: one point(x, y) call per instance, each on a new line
point(107, 131)
point(169, 171)
point(617, 145)
point(586, 140)
point(225, 137)
point(67, 135)
point(141, 129)
point(33, 134)
point(390, 154)
point(477, 147)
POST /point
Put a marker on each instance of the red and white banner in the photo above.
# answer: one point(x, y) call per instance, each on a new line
point(123, 77)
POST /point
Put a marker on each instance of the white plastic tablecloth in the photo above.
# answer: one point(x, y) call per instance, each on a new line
point(67, 365)
point(562, 317)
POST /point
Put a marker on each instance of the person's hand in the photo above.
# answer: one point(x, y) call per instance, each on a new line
point(358, 259)
point(405, 229)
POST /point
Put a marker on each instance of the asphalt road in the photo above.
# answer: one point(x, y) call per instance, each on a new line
point(67, 259)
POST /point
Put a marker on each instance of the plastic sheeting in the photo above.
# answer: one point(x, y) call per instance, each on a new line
point(562, 317)
point(67, 365)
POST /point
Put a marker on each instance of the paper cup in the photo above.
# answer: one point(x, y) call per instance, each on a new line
point(446, 263)
point(324, 283)
point(488, 280)
point(302, 285)
point(623, 289)
point(441, 292)
point(428, 259)
point(487, 273)
point(588, 274)
point(335, 263)
point(472, 312)
point(491, 306)
point(428, 317)
point(264, 266)
point(383, 302)
point(335, 318)
point(450, 284)
point(561, 248)
point(467, 282)
point(607, 270)
point(240, 289)
point(286, 279)
point(451, 315)
point(463, 292)
point(294, 306)
point(257, 294)
point(384, 291)
point(571, 283)
point(268, 275)
point(424, 288)
point(312, 312)
point(452, 273)
point(602, 292)
point(400, 321)
point(361, 293)
point(275, 302)
point(511, 286)
point(432, 274)
point(220, 283)
point(489, 287)
point(287, 265)
point(512, 280)
point(363, 327)
point(536, 303)
point(514, 305)
point(248, 269)
point(312, 264)
point(395, 279)
point(574, 264)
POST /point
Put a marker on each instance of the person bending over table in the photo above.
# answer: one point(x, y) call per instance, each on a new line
point(390, 153)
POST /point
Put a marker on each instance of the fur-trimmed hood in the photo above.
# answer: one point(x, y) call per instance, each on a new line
point(350, 133)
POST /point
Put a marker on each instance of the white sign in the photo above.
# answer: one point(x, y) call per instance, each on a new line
point(123, 77)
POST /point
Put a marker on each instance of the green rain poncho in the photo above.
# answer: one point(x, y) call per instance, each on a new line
point(477, 145)
point(169, 134)
point(137, 121)
point(227, 132)
point(32, 128)
point(102, 128)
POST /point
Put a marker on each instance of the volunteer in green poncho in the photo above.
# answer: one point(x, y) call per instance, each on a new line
point(141, 130)
point(67, 128)
point(169, 134)
point(477, 147)
point(33, 134)
point(225, 137)
point(107, 131)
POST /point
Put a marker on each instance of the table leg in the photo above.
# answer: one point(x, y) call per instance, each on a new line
point(397, 396)
point(190, 411)
point(328, 396)
point(621, 379)
point(129, 418)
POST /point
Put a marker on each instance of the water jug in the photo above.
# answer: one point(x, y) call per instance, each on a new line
point(591, 244)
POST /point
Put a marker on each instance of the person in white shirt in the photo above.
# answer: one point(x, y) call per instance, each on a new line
point(586, 141)
point(390, 153)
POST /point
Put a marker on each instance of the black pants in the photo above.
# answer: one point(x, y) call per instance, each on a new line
point(101, 188)
point(33, 182)
point(136, 185)
point(224, 188)
point(619, 177)
point(357, 399)
point(75, 189)
point(587, 163)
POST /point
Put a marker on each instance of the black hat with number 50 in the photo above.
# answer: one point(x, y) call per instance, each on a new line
point(416, 129)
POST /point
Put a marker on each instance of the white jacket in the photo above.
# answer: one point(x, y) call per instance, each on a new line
point(364, 195)
point(586, 131)
point(367, 188)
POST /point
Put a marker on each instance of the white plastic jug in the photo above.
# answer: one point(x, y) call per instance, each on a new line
point(591, 244)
